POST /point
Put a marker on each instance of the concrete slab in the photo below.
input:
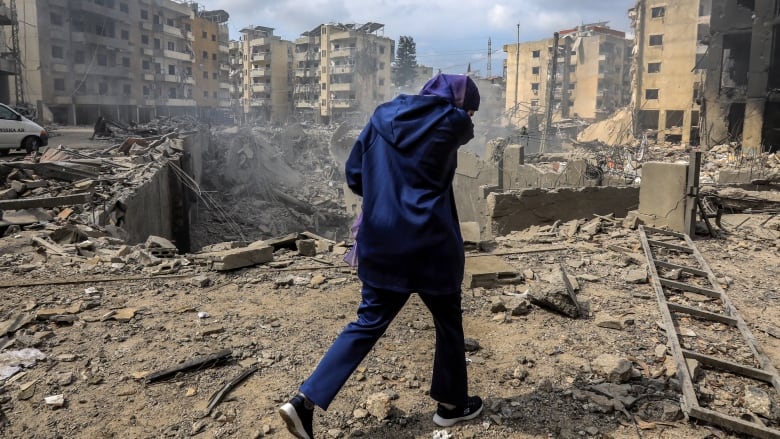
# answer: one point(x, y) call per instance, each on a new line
point(662, 195)
point(489, 272)
point(242, 257)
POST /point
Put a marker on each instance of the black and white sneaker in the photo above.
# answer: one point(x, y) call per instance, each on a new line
point(447, 418)
point(297, 414)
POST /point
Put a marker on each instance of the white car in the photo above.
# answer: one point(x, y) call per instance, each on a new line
point(19, 132)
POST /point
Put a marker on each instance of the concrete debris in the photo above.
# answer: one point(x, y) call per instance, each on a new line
point(615, 369)
point(379, 405)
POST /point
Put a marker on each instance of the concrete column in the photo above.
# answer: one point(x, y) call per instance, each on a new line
point(661, 125)
point(753, 126)
point(72, 115)
point(686, 130)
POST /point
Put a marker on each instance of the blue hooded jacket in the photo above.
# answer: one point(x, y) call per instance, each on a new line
point(403, 164)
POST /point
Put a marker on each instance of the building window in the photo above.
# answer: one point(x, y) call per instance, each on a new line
point(125, 34)
point(658, 12)
point(214, 56)
point(125, 62)
point(654, 67)
point(651, 93)
point(534, 70)
point(213, 37)
point(324, 53)
point(382, 49)
point(205, 75)
point(145, 64)
point(123, 7)
point(170, 22)
point(205, 55)
point(103, 88)
point(146, 90)
point(57, 52)
point(205, 93)
point(102, 60)
point(55, 18)
point(145, 39)
point(127, 89)
point(172, 93)
point(535, 104)
point(324, 86)
point(59, 84)
point(381, 82)
point(656, 40)
point(144, 14)
point(215, 75)
point(79, 57)
point(171, 69)
point(750, 4)
point(536, 53)
point(204, 34)
point(157, 43)
point(535, 87)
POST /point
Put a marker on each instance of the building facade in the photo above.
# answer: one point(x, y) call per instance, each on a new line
point(211, 67)
point(8, 65)
point(669, 67)
point(342, 71)
point(267, 70)
point(743, 73)
point(130, 60)
point(591, 75)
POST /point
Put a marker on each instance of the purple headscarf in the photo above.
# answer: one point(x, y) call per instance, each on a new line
point(460, 90)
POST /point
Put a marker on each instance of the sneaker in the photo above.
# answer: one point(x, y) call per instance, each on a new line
point(297, 414)
point(447, 418)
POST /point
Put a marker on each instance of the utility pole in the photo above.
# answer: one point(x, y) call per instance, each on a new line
point(490, 59)
point(550, 94)
point(517, 68)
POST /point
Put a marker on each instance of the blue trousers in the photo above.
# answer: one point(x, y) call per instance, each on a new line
point(378, 308)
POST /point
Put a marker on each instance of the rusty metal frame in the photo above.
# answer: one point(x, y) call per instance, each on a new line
point(730, 316)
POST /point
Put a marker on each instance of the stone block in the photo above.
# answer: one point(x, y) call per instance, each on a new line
point(8, 194)
point(470, 232)
point(306, 247)
point(242, 257)
point(489, 272)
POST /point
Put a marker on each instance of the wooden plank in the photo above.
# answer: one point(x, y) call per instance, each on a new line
point(693, 271)
point(734, 423)
point(682, 286)
point(196, 363)
point(676, 247)
point(50, 246)
point(715, 317)
point(664, 232)
point(46, 202)
point(730, 366)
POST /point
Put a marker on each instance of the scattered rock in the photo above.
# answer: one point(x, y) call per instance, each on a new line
point(379, 405)
point(636, 276)
point(614, 368)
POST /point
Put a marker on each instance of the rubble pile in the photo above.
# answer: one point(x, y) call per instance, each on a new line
point(272, 181)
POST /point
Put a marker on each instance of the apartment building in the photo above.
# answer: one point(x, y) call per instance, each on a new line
point(267, 69)
point(342, 71)
point(211, 67)
point(669, 66)
point(130, 60)
point(591, 75)
point(236, 75)
point(7, 57)
point(743, 75)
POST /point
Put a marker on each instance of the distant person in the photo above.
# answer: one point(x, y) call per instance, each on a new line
point(101, 129)
point(409, 241)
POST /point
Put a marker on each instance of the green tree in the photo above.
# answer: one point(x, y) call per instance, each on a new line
point(405, 62)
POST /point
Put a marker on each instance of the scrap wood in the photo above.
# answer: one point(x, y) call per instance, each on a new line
point(26, 283)
point(544, 249)
point(196, 363)
point(217, 397)
point(50, 246)
point(15, 323)
point(570, 290)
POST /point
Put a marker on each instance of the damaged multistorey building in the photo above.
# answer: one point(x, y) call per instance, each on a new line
point(705, 71)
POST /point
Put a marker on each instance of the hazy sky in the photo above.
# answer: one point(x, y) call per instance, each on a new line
point(449, 34)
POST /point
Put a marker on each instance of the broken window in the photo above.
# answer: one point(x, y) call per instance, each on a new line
point(144, 14)
point(651, 93)
point(57, 52)
point(55, 19)
point(535, 87)
point(648, 119)
point(59, 84)
point(171, 45)
point(749, 4)
point(170, 22)
point(656, 40)
point(658, 12)
point(213, 37)
point(703, 33)
point(654, 67)
point(701, 62)
point(205, 55)
point(534, 70)
point(705, 8)
point(736, 60)
point(535, 104)
point(674, 118)
point(536, 54)
point(381, 49)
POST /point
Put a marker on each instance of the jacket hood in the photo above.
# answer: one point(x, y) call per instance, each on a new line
point(403, 121)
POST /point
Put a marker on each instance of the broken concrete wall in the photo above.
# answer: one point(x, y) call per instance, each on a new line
point(472, 178)
point(518, 210)
point(662, 198)
point(563, 174)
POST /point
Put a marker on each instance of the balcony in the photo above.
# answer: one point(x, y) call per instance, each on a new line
point(343, 52)
point(264, 56)
point(259, 73)
point(147, 26)
point(342, 69)
point(341, 87)
point(59, 68)
point(225, 85)
point(148, 77)
point(224, 103)
point(172, 54)
point(223, 48)
point(258, 42)
point(261, 88)
point(147, 51)
point(307, 104)
point(180, 8)
point(62, 100)
point(225, 67)
point(180, 102)
point(344, 35)
point(259, 102)
point(173, 31)
point(343, 103)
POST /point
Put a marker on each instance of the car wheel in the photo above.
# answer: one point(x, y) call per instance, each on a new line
point(31, 144)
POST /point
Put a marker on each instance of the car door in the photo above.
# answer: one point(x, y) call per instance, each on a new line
point(11, 131)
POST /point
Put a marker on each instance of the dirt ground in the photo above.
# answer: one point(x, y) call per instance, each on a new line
point(530, 369)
